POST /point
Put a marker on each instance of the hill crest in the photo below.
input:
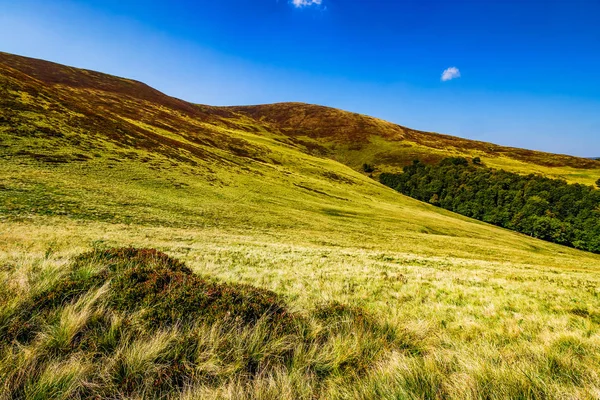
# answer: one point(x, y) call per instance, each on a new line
point(347, 137)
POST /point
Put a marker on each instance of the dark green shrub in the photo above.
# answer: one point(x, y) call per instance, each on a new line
point(368, 168)
point(457, 161)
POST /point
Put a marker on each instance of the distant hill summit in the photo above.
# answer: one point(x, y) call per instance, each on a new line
point(356, 139)
point(350, 138)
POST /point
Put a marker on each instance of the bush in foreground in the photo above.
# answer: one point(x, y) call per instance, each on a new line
point(137, 323)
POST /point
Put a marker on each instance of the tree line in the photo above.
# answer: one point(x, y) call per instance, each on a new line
point(548, 209)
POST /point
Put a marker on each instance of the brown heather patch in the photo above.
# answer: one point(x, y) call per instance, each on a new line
point(170, 293)
point(146, 325)
point(329, 124)
point(146, 279)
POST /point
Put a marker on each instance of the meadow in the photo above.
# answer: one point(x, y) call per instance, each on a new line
point(315, 280)
point(461, 328)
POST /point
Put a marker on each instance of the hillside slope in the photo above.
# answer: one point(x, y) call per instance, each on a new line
point(381, 295)
point(354, 139)
point(89, 146)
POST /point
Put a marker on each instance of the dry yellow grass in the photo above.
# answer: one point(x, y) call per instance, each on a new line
point(483, 327)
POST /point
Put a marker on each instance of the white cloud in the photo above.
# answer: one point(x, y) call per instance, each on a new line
point(306, 3)
point(450, 73)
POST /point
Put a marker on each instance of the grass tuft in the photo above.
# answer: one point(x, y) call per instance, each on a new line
point(150, 327)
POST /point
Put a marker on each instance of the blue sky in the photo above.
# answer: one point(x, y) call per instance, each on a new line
point(529, 69)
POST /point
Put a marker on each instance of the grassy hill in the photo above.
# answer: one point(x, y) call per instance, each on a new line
point(270, 196)
point(354, 139)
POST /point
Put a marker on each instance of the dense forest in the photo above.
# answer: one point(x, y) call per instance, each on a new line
point(548, 209)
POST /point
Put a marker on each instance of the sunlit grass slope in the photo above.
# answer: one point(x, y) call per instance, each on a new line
point(355, 139)
point(88, 146)
point(93, 161)
point(445, 327)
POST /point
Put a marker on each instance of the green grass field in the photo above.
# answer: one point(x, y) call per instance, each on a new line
point(430, 305)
